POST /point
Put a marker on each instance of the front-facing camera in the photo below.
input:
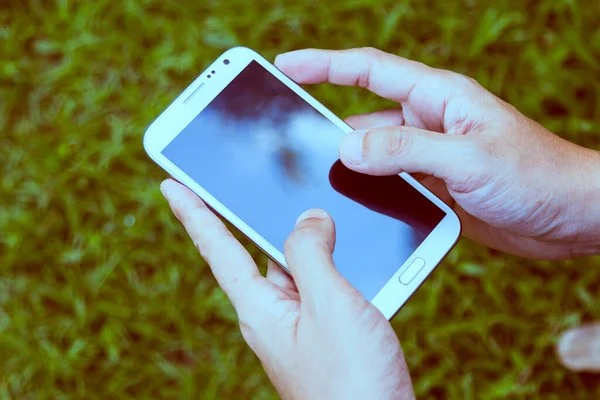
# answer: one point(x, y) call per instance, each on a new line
point(226, 62)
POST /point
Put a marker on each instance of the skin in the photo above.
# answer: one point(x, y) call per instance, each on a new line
point(517, 188)
point(315, 335)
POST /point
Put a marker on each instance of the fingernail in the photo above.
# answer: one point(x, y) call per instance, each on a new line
point(314, 213)
point(351, 149)
point(579, 349)
point(282, 58)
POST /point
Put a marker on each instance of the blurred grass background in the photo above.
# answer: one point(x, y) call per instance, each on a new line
point(103, 296)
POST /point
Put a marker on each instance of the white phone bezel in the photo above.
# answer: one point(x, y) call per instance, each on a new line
point(203, 91)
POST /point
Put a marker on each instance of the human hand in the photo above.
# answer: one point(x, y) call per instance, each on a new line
point(579, 348)
point(516, 186)
point(316, 336)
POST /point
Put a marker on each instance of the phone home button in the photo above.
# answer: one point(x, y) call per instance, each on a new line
point(412, 271)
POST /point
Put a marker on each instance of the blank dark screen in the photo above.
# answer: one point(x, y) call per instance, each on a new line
point(267, 155)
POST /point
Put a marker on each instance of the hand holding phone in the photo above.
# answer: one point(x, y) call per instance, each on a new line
point(316, 335)
point(259, 150)
point(516, 186)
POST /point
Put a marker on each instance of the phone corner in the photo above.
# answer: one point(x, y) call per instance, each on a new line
point(240, 49)
point(455, 225)
point(147, 140)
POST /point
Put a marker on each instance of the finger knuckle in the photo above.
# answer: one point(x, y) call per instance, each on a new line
point(181, 211)
point(202, 248)
point(389, 144)
point(369, 55)
point(462, 80)
point(370, 51)
point(302, 238)
point(455, 79)
point(394, 145)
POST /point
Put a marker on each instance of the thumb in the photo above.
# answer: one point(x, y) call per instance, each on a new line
point(391, 150)
point(308, 253)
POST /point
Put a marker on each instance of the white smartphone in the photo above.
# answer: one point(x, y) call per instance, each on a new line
point(259, 150)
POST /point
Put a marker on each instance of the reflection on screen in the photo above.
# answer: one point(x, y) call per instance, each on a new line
point(268, 156)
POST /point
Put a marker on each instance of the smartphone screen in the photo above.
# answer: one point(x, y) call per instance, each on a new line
point(268, 156)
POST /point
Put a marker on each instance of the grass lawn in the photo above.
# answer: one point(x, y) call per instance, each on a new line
point(102, 295)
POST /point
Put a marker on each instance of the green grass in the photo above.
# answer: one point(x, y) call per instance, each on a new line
point(103, 296)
